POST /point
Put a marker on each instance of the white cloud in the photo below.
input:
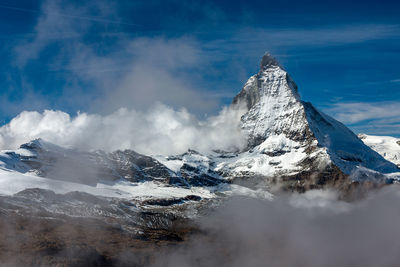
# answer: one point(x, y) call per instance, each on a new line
point(164, 70)
point(360, 111)
point(160, 130)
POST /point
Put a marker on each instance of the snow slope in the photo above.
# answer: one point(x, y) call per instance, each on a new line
point(387, 146)
point(345, 149)
point(12, 182)
point(32, 166)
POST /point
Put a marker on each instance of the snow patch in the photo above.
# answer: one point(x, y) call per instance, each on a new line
point(387, 146)
point(13, 182)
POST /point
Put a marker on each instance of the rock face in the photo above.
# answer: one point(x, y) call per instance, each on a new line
point(90, 168)
point(51, 161)
point(273, 104)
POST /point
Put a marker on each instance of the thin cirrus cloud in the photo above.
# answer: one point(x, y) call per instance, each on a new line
point(253, 41)
point(131, 72)
point(374, 118)
point(53, 26)
point(358, 111)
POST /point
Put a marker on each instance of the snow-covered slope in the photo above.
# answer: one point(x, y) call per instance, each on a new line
point(387, 146)
point(274, 105)
point(121, 174)
point(13, 182)
point(345, 149)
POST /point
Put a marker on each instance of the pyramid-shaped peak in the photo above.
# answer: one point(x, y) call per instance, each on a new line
point(269, 61)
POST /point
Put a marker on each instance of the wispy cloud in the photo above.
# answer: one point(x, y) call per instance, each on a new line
point(373, 118)
point(128, 72)
point(378, 129)
point(60, 14)
point(360, 111)
point(311, 37)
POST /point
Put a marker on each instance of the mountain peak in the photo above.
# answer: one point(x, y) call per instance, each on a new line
point(269, 61)
point(276, 116)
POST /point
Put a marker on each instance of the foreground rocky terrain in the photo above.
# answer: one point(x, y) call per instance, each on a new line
point(40, 228)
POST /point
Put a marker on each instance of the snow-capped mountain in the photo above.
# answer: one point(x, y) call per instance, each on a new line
point(290, 140)
point(387, 146)
point(290, 145)
point(278, 122)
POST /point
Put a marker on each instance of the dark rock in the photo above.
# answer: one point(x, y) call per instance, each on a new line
point(268, 61)
point(171, 201)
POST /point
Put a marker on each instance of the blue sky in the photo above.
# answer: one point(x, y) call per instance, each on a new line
point(98, 56)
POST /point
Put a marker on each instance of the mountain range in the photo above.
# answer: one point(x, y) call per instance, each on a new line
point(290, 146)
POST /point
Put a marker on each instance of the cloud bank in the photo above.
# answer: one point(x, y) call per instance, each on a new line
point(311, 229)
point(160, 130)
